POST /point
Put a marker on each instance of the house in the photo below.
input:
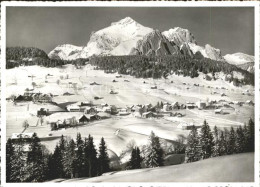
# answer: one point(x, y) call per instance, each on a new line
point(186, 126)
point(73, 108)
point(90, 110)
point(166, 107)
point(250, 102)
point(149, 115)
point(86, 103)
point(107, 109)
point(175, 105)
point(67, 94)
point(22, 98)
point(190, 105)
point(153, 87)
point(42, 112)
point(94, 83)
point(223, 94)
point(123, 112)
point(83, 119)
point(118, 76)
point(218, 111)
point(42, 98)
point(201, 105)
point(16, 136)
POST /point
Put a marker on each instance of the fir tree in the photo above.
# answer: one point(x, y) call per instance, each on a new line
point(222, 144)
point(231, 144)
point(251, 136)
point(193, 149)
point(154, 152)
point(103, 159)
point(240, 141)
point(9, 158)
point(216, 148)
point(90, 158)
point(35, 161)
point(62, 146)
point(135, 160)
point(206, 141)
point(18, 163)
point(56, 167)
point(69, 158)
point(79, 156)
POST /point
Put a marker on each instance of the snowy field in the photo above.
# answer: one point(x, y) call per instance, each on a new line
point(130, 92)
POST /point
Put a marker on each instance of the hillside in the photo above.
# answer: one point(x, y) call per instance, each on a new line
point(233, 168)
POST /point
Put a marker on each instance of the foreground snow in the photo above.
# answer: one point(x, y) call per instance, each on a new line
point(233, 168)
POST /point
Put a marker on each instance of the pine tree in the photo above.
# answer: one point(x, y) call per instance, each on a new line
point(9, 158)
point(251, 136)
point(240, 140)
point(69, 159)
point(231, 144)
point(154, 152)
point(216, 148)
point(103, 159)
point(79, 170)
point(18, 163)
point(35, 161)
point(135, 160)
point(222, 144)
point(62, 145)
point(193, 149)
point(206, 141)
point(90, 156)
point(56, 161)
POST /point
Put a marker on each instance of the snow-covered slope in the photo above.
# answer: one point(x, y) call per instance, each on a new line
point(65, 52)
point(239, 58)
point(117, 39)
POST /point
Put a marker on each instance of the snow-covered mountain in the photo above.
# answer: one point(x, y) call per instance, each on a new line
point(241, 60)
point(65, 52)
point(127, 37)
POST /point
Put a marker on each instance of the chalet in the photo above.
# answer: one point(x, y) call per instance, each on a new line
point(149, 115)
point(113, 92)
point(186, 126)
point(250, 102)
point(201, 105)
point(87, 103)
point(153, 87)
point(83, 119)
point(219, 111)
point(223, 94)
point(94, 83)
point(118, 76)
point(67, 94)
point(16, 136)
point(73, 108)
point(166, 107)
point(90, 110)
point(107, 109)
point(190, 105)
point(42, 98)
point(42, 112)
point(176, 114)
point(93, 117)
point(22, 98)
point(123, 112)
point(175, 105)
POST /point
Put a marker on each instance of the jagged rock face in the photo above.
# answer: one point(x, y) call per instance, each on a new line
point(179, 36)
point(213, 53)
point(155, 44)
point(65, 52)
point(186, 51)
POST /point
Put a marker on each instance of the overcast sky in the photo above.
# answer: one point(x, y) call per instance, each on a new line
point(229, 29)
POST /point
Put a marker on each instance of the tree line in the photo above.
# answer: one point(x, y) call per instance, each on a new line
point(156, 67)
point(215, 143)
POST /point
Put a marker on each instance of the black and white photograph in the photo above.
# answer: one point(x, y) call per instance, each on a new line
point(130, 94)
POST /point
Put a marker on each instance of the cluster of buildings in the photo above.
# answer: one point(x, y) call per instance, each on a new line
point(29, 95)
